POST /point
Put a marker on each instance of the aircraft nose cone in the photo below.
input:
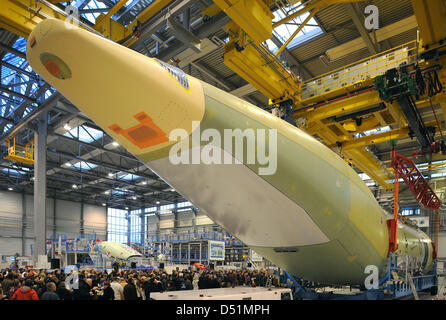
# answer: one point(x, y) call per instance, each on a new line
point(55, 66)
point(137, 100)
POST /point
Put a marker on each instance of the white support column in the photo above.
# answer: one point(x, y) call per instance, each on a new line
point(40, 187)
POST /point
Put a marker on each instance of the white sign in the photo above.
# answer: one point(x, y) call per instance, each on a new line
point(255, 256)
point(216, 250)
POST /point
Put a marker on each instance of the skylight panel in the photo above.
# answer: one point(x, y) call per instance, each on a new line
point(93, 5)
point(85, 134)
point(84, 165)
point(129, 177)
point(284, 31)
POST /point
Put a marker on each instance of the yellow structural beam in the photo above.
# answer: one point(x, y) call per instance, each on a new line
point(375, 138)
point(110, 28)
point(367, 163)
point(259, 67)
point(21, 16)
point(211, 11)
point(340, 107)
point(302, 25)
point(254, 17)
point(431, 17)
point(125, 35)
point(110, 13)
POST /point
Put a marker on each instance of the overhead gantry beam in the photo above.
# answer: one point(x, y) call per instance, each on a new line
point(431, 17)
point(359, 23)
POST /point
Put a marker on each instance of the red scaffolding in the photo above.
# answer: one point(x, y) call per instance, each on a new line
point(419, 187)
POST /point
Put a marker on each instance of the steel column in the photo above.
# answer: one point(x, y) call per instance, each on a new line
point(40, 187)
point(23, 222)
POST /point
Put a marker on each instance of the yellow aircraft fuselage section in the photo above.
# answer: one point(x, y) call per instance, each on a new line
point(312, 215)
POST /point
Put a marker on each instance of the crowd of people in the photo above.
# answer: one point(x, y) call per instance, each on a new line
point(133, 284)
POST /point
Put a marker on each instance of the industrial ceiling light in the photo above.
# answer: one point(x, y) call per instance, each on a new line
point(67, 164)
point(10, 189)
point(110, 174)
point(115, 144)
point(144, 182)
point(157, 202)
point(172, 190)
point(126, 208)
point(74, 186)
point(134, 197)
point(103, 204)
point(67, 127)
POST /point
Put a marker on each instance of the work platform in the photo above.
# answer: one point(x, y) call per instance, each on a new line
point(391, 286)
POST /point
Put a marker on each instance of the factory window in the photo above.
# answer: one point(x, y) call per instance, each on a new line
point(117, 225)
point(185, 205)
point(166, 208)
point(151, 211)
point(284, 31)
point(135, 226)
point(410, 211)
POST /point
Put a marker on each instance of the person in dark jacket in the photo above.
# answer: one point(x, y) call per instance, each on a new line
point(202, 282)
point(63, 292)
point(8, 282)
point(148, 287)
point(130, 291)
point(50, 293)
point(15, 286)
point(108, 294)
point(214, 282)
point(83, 292)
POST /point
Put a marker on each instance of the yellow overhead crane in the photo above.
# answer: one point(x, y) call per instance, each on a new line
point(21, 16)
point(319, 102)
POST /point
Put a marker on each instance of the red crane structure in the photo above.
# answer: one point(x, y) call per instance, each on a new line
point(419, 187)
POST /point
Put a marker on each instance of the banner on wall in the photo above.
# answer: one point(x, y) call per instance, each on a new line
point(216, 250)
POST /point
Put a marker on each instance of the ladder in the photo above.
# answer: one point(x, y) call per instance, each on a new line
point(412, 286)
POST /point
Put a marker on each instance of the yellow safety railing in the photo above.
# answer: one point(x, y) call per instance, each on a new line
point(22, 154)
point(346, 69)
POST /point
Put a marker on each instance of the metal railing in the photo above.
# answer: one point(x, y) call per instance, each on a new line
point(358, 72)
